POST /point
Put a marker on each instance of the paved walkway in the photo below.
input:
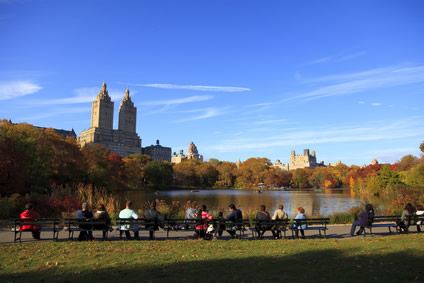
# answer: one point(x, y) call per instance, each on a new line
point(334, 232)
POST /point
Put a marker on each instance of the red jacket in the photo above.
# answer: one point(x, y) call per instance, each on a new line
point(29, 214)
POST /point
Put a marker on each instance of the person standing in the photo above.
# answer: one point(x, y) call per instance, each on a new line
point(128, 213)
point(84, 215)
point(365, 219)
point(279, 214)
point(29, 213)
point(234, 216)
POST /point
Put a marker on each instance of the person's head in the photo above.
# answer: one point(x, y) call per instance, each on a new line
point(232, 207)
point(204, 208)
point(263, 207)
point(153, 205)
point(29, 206)
point(300, 210)
point(280, 206)
point(420, 207)
point(85, 206)
point(128, 204)
point(101, 207)
point(369, 208)
point(409, 208)
point(220, 214)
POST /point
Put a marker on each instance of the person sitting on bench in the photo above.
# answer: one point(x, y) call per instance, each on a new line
point(235, 216)
point(101, 214)
point(279, 214)
point(403, 223)
point(262, 215)
point(128, 213)
point(365, 220)
point(152, 214)
point(29, 213)
point(302, 226)
point(86, 214)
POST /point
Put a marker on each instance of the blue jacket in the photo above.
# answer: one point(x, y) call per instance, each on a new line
point(235, 215)
point(301, 216)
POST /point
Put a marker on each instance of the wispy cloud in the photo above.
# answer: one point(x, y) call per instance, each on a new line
point(362, 81)
point(204, 114)
point(194, 87)
point(178, 101)
point(351, 56)
point(316, 61)
point(83, 95)
point(14, 89)
point(376, 104)
point(56, 112)
point(372, 131)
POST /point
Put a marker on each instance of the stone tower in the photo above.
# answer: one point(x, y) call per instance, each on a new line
point(102, 110)
point(127, 114)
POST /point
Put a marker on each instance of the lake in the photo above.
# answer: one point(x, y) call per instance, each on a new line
point(315, 203)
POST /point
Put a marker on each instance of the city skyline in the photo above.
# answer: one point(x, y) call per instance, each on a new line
point(239, 79)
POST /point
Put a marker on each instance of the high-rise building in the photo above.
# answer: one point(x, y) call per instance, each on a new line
point(123, 141)
point(158, 152)
point(192, 153)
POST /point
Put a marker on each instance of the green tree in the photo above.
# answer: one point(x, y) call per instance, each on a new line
point(159, 174)
point(388, 177)
point(415, 177)
point(300, 179)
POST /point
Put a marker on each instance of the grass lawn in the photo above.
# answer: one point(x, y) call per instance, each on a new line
point(384, 259)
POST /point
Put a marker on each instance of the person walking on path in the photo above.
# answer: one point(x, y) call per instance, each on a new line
point(365, 219)
point(128, 213)
point(29, 213)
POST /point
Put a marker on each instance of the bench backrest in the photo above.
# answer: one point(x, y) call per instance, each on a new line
point(386, 218)
point(35, 221)
point(312, 221)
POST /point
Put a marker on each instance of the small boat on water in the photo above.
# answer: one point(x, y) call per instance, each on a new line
point(259, 192)
point(194, 191)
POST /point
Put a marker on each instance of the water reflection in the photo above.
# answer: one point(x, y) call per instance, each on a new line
point(315, 202)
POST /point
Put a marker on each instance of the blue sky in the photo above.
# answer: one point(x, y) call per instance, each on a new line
point(239, 78)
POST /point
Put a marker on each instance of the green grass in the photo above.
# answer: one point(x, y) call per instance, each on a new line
point(389, 259)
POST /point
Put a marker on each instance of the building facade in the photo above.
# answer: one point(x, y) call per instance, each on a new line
point(158, 152)
point(192, 153)
point(125, 140)
point(305, 160)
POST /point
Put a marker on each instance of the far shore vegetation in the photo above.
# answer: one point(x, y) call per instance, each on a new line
point(56, 174)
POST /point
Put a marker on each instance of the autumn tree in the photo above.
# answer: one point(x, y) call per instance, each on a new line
point(227, 173)
point(135, 167)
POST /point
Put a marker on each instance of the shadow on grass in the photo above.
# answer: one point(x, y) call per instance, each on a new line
point(328, 265)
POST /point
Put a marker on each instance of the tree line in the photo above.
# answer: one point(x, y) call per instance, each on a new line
point(32, 160)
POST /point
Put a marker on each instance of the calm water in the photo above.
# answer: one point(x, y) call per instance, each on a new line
point(315, 203)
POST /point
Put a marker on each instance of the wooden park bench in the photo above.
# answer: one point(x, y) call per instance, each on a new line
point(317, 224)
point(415, 220)
point(180, 225)
point(238, 226)
point(389, 221)
point(44, 224)
point(135, 225)
point(86, 225)
point(269, 225)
